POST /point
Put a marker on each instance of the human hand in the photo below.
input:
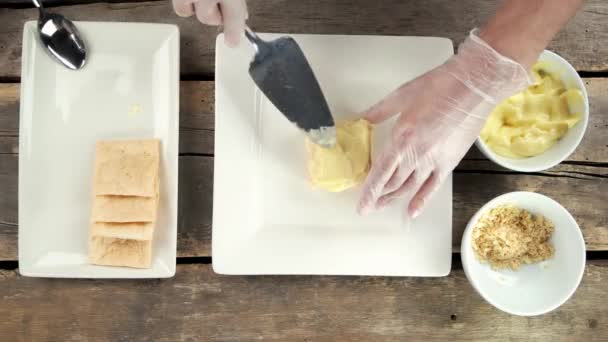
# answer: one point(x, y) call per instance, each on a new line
point(440, 114)
point(229, 13)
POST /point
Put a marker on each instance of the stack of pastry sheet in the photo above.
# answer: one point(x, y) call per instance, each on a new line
point(125, 201)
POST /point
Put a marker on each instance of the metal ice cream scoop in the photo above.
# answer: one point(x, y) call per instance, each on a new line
point(281, 71)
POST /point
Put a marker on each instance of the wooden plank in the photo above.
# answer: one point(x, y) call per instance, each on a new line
point(8, 241)
point(583, 41)
point(9, 118)
point(197, 120)
point(575, 170)
point(195, 206)
point(198, 305)
point(196, 136)
point(583, 190)
point(8, 206)
point(53, 3)
point(194, 211)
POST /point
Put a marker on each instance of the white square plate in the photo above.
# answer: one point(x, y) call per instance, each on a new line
point(129, 88)
point(266, 217)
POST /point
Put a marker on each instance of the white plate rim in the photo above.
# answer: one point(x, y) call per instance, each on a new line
point(466, 254)
point(165, 272)
point(219, 266)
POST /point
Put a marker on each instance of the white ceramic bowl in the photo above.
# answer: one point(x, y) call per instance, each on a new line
point(532, 289)
point(565, 146)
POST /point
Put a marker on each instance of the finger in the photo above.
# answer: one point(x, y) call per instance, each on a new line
point(234, 14)
point(386, 108)
point(422, 171)
point(407, 163)
point(424, 193)
point(402, 173)
point(208, 12)
point(400, 192)
point(183, 8)
point(391, 105)
point(382, 170)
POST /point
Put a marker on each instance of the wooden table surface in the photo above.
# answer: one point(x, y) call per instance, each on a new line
point(198, 305)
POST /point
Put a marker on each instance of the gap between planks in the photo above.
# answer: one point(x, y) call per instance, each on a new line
point(203, 77)
point(593, 257)
point(23, 4)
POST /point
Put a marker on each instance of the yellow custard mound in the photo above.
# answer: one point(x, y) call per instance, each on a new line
point(347, 163)
point(529, 123)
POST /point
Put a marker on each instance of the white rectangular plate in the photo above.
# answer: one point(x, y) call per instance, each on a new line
point(266, 217)
point(129, 88)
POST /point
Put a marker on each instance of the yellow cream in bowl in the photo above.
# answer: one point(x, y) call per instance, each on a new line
point(529, 123)
point(347, 163)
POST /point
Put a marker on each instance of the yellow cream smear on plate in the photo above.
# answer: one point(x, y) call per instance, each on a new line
point(508, 236)
point(529, 123)
point(347, 163)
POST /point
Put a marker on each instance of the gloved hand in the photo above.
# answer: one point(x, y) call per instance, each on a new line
point(440, 115)
point(229, 13)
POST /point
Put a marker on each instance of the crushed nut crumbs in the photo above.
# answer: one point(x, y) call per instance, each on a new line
point(507, 237)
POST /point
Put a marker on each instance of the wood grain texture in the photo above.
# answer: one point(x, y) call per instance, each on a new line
point(197, 121)
point(583, 190)
point(54, 3)
point(195, 197)
point(196, 118)
point(198, 305)
point(9, 118)
point(582, 41)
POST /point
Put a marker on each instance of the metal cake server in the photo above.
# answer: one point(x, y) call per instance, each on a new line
point(281, 71)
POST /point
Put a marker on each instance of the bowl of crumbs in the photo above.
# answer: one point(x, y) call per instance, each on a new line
point(543, 124)
point(524, 253)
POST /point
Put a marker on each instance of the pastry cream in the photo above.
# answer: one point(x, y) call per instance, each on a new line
point(347, 163)
point(530, 122)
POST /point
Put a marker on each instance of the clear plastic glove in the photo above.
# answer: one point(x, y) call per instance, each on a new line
point(229, 13)
point(440, 115)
